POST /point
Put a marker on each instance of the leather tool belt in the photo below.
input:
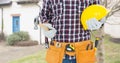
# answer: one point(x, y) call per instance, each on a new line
point(84, 52)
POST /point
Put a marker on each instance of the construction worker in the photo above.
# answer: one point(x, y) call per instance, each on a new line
point(71, 43)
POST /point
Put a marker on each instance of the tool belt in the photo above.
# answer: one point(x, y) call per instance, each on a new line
point(84, 52)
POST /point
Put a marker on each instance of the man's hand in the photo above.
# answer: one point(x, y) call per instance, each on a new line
point(49, 31)
point(94, 24)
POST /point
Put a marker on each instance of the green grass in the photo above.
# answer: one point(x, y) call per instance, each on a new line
point(112, 54)
point(112, 51)
point(35, 58)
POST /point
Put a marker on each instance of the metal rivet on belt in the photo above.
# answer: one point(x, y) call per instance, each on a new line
point(58, 44)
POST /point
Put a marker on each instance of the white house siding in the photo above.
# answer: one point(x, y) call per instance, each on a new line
point(113, 30)
point(27, 14)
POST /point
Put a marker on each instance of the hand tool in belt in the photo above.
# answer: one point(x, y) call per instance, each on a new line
point(89, 46)
point(70, 48)
point(96, 42)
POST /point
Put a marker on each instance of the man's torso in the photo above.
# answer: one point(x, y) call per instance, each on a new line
point(66, 20)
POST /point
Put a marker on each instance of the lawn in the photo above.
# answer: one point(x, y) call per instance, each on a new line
point(35, 58)
point(112, 51)
point(112, 54)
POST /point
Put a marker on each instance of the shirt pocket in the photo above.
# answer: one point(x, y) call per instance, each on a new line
point(57, 8)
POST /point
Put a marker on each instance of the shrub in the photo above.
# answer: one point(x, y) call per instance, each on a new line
point(17, 37)
point(24, 36)
point(12, 39)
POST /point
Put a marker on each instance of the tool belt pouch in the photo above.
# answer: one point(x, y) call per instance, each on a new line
point(54, 54)
point(83, 55)
point(86, 56)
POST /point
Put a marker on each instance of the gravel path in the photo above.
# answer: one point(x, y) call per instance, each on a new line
point(8, 53)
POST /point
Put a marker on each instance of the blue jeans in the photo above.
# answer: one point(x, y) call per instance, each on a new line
point(67, 60)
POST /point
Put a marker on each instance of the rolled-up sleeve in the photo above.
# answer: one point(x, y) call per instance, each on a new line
point(45, 14)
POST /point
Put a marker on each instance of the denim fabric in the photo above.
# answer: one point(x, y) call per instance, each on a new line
point(68, 60)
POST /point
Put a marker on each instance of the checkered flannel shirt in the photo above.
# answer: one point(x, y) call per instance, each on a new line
point(65, 18)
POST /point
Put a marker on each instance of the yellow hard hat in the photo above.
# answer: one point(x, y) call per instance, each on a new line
point(93, 11)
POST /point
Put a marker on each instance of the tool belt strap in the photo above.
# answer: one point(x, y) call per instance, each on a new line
point(77, 45)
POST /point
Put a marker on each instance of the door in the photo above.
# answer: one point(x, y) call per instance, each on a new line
point(16, 23)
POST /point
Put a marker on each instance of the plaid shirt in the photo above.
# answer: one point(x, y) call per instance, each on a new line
point(65, 18)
